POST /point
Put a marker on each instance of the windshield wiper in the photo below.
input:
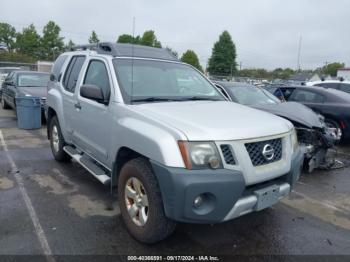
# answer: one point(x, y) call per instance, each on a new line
point(154, 99)
point(200, 98)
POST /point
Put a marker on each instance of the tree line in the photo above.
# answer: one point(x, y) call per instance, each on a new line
point(29, 45)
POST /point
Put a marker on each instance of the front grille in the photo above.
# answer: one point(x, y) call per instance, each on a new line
point(255, 151)
point(227, 153)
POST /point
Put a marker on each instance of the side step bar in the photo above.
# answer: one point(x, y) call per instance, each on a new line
point(89, 165)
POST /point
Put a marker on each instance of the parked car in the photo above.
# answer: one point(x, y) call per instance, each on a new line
point(335, 84)
point(313, 135)
point(24, 83)
point(333, 104)
point(4, 72)
point(137, 117)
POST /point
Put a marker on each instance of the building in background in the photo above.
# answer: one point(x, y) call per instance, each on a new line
point(344, 73)
point(44, 66)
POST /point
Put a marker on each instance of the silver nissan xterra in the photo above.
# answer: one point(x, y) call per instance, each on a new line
point(138, 118)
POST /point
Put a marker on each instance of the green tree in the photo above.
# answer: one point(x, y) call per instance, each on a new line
point(332, 69)
point(51, 42)
point(190, 57)
point(128, 39)
point(28, 42)
point(7, 35)
point(93, 39)
point(280, 73)
point(69, 45)
point(223, 58)
point(149, 39)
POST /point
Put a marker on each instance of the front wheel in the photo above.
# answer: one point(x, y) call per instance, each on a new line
point(330, 123)
point(57, 141)
point(4, 105)
point(141, 203)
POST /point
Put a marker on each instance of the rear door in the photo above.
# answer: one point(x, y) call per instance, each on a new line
point(309, 98)
point(92, 129)
point(68, 86)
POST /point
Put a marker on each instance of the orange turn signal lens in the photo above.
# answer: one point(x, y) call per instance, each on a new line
point(183, 145)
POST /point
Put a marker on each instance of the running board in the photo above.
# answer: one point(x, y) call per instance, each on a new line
point(89, 165)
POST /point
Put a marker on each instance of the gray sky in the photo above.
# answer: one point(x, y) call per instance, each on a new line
point(266, 32)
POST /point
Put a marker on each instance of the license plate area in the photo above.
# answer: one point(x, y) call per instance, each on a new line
point(267, 197)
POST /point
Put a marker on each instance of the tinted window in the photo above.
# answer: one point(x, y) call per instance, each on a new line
point(287, 92)
point(329, 85)
point(306, 96)
point(56, 70)
point(345, 87)
point(72, 73)
point(97, 75)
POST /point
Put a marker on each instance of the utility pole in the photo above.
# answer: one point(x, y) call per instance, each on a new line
point(299, 54)
point(240, 65)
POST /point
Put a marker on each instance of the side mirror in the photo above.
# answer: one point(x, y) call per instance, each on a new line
point(10, 83)
point(52, 77)
point(93, 92)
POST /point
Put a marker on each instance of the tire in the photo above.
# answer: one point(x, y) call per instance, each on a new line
point(157, 226)
point(333, 124)
point(57, 141)
point(4, 105)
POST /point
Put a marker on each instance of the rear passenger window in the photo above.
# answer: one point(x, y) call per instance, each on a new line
point(57, 67)
point(306, 97)
point(72, 73)
point(97, 75)
point(345, 87)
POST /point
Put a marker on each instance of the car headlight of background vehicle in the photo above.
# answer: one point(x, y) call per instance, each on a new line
point(200, 155)
point(294, 140)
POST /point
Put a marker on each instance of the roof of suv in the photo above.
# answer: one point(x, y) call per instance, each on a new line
point(128, 50)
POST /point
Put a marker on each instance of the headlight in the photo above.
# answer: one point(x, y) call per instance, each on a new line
point(200, 155)
point(294, 140)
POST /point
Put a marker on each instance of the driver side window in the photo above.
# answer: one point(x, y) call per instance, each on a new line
point(97, 74)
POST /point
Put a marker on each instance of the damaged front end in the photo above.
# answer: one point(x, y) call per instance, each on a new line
point(319, 146)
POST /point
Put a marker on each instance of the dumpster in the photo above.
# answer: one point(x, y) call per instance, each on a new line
point(28, 112)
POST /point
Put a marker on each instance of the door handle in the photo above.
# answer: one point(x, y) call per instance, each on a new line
point(77, 106)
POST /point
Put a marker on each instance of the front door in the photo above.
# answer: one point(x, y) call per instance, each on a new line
point(92, 127)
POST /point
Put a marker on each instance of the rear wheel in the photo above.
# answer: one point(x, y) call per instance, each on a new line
point(57, 141)
point(4, 105)
point(141, 202)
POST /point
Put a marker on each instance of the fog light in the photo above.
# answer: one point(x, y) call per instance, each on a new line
point(197, 201)
point(214, 162)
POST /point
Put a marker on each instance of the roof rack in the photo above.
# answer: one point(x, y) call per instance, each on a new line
point(127, 50)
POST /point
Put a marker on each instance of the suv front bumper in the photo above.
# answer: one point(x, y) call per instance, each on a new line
point(224, 194)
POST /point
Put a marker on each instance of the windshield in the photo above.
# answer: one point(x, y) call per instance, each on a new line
point(33, 80)
point(251, 95)
point(151, 81)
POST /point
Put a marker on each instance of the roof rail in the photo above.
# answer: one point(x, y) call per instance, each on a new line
point(105, 48)
point(127, 50)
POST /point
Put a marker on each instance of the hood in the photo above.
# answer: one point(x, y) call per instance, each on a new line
point(215, 120)
point(294, 112)
point(33, 91)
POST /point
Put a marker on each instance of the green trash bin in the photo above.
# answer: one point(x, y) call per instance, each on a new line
point(28, 112)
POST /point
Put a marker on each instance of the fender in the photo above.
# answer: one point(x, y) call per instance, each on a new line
point(56, 103)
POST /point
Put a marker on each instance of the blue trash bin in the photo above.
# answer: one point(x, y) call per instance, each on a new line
point(28, 112)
